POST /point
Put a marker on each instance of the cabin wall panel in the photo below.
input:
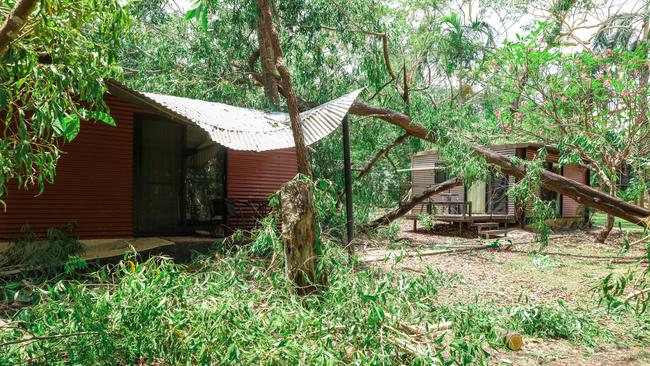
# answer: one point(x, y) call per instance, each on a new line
point(571, 208)
point(93, 186)
point(253, 177)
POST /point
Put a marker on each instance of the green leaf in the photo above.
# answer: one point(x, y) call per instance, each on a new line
point(204, 20)
point(190, 14)
point(70, 126)
point(104, 117)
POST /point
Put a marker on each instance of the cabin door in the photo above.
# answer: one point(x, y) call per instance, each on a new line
point(497, 198)
point(476, 195)
point(158, 176)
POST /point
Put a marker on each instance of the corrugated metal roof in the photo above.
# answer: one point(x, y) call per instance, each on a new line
point(246, 129)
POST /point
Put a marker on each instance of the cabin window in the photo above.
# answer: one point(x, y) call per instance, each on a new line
point(439, 176)
point(625, 176)
point(551, 196)
point(205, 165)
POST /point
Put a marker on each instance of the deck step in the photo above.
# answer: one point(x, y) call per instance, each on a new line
point(493, 233)
point(482, 225)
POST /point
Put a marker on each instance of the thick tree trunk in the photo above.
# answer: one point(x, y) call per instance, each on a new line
point(298, 219)
point(414, 201)
point(299, 235)
point(270, 41)
point(15, 21)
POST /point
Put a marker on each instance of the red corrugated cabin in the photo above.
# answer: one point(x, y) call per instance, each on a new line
point(152, 175)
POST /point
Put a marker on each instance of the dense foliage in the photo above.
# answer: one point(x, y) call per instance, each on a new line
point(52, 77)
point(238, 309)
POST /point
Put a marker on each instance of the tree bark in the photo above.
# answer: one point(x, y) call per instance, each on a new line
point(414, 201)
point(15, 21)
point(297, 215)
point(268, 59)
point(299, 235)
point(604, 233)
point(271, 39)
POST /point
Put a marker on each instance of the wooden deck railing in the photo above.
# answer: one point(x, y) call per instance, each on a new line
point(463, 208)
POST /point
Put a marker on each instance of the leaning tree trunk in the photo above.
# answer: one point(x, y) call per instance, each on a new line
point(414, 201)
point(298, 219)
point(299, 235)
point(604, 233)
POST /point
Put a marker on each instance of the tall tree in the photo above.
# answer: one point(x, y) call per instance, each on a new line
point(298, 217)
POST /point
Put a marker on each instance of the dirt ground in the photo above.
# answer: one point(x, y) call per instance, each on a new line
point(571, 268)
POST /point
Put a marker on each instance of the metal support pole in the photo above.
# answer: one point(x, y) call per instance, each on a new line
point(348, 180)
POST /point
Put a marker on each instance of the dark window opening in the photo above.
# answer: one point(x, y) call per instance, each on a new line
point(625, 176)
point(497, 194)
point(179, 178)
point(552, 197)
point(205, 164)
point(440, 176)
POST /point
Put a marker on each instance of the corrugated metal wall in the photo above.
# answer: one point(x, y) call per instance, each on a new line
point(93, 186)
point(571, 171)
point(253, 177)
point(569, 206)
point(94, 183)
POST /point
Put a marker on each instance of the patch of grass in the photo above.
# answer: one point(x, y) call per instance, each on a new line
point(227, 310)
point(238, 308)
point(543, 262)
point(600, 219)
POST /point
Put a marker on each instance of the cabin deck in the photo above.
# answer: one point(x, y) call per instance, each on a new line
point(476, 218)
point(103, 249)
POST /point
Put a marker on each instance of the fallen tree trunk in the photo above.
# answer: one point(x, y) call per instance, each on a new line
point(427, 253)
point(581, 193)
point(414, 201)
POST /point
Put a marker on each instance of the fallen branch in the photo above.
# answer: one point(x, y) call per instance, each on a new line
point(429, 331)
point(414, 201)
point(406, 347)
point(637, 293)
point(42, 338)
point(381, 153)
point(436, 252)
